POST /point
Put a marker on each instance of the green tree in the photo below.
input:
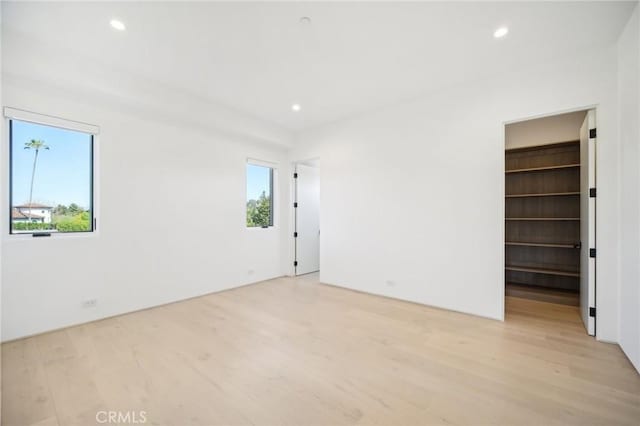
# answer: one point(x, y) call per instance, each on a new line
point(76, 223)
point(71, 218)
point(36, 146)
point(259, 211)
point(74, 209)
point(61, 210)
point(251, 212)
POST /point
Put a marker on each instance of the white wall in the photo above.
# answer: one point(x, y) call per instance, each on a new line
point(547, 130)
point(413, 193)
point(629, 93)
point(137, 260)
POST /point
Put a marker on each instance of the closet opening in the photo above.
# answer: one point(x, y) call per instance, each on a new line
point(550, 196)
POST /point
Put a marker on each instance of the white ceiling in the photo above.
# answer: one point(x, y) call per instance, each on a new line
point(353, 57)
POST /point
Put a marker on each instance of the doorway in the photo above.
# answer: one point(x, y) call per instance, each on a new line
point(306, 217)
point(550, 196)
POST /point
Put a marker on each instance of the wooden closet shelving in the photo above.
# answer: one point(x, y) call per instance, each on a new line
point(542, 218)
point(554, 245)
point(538, 169)
point(543, 271)
point(548, 194)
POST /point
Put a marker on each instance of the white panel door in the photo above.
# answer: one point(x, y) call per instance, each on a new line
point(307, 219)
point(587, 222)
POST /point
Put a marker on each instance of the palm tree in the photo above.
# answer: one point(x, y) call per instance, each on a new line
point(36, 145)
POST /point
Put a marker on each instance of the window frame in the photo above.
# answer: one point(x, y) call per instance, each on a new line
point(273, 168)
point(12, 114)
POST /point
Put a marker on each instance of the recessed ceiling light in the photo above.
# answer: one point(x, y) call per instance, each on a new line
point(305, 20)
point(118, 25)
point(501, 32)
point(296, 107)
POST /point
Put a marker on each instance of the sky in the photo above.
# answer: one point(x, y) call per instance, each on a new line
point(257, 181)
point(63, 172)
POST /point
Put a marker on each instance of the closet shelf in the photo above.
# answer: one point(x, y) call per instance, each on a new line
point(546, 194)
point(542, 234)
point(543, 147)
point(538, 169)
point(543, 218)
point(553, 245)
point(543, 293)
point(542, 271)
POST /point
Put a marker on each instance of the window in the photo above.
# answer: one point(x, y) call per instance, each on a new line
point(259, 196)
point(51, 179)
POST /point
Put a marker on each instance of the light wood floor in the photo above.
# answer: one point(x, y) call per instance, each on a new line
point(561, 297)
point(293, 352)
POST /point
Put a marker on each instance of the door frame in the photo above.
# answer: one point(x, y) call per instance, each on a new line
point(592, 202)
point(595, 108)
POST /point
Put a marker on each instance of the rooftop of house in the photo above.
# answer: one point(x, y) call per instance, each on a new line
point(32, 206)
point(17, 214)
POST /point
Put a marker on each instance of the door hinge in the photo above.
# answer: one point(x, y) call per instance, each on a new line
point(592, 312)
point(295, 235)
point(295, 263)
point(578, 245)
point(592, 252)
point(592, 192)
point(295, 176)
point(592, 133)
point(295, 205)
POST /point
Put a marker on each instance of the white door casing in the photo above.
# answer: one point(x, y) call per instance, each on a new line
point(588, 222)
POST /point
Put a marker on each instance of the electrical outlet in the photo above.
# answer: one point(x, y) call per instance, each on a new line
point(391, 283)
point(90, 303)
